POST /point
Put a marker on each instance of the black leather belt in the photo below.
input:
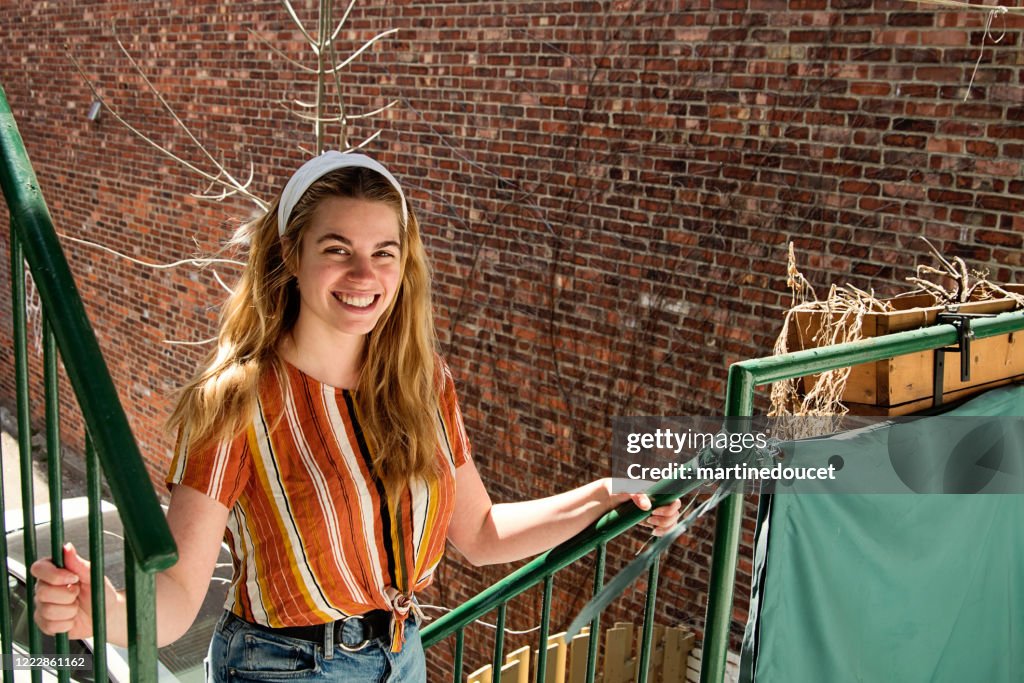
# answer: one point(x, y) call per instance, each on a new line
point(375, 624)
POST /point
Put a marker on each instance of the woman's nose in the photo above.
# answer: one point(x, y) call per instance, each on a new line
point(360, 268)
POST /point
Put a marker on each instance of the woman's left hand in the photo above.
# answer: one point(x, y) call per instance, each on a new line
point(662, 518)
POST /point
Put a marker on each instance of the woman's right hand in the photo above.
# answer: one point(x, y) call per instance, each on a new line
point(63, 598)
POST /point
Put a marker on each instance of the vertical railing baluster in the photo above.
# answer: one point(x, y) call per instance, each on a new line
point(99, 608)
point(17, 269)
point(51, 401)
point(545, 628)
point(6, 628)
point(499, 644)
point(595, 625)
point(460, 646)
point(644, 663)
point(739, 402)
point(141, 619)
point(19, 315)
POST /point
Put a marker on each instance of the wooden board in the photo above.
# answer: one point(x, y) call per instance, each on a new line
point(904, 384)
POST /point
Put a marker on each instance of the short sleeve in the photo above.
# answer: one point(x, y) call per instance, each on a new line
point(454, 431)
point(219, 469)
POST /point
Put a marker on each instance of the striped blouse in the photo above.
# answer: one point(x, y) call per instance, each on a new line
point(313, 535)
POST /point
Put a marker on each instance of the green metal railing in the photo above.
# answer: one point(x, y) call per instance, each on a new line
point(541, 570)
point(110, 446)
point(743, 379)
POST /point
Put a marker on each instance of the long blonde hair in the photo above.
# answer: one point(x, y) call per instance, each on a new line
point(397, 393)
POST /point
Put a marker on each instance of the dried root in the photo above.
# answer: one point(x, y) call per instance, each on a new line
point(966, 286)
point(818, 409)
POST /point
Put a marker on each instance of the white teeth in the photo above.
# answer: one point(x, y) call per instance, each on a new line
point(357, 301)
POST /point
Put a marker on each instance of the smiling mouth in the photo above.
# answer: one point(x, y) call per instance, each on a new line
point(362, 301)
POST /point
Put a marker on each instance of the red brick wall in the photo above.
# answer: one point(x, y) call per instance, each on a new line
point(607, 191)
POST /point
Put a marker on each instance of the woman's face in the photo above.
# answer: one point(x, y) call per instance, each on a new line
point(349, 266)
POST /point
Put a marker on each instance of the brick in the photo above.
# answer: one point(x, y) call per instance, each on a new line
point(968, 252)
point(919, 19)
point(1000, 238)
point(951, 38)
point(898, 37)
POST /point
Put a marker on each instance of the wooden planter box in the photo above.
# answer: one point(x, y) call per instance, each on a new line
point(904, 385)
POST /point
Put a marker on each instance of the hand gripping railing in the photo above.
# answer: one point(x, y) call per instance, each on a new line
point(110, 446)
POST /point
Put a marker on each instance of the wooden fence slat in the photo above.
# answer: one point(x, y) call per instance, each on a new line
point(517, 666)
point(618, 649)
point(578, 658)
point(657, 654)
point(481, 675)
point(672, 658)
point(677, 646)
point(555, 665)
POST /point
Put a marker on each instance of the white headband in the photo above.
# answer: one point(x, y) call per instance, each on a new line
point(318, 167)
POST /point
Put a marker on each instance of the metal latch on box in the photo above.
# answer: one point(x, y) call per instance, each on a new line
point(962, 323)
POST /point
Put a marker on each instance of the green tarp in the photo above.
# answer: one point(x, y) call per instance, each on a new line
point(892, 587)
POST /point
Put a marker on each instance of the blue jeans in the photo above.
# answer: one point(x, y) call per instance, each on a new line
point(242, 652)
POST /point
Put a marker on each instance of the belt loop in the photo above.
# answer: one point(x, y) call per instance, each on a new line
point(329, 639)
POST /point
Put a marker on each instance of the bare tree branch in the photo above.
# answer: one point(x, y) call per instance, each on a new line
point(231, 182)
point(232, 189)
point(361, 50)
point(280, 53)
point(344, 18)
point(338, 119)
point(298, 22)
point(200, 262)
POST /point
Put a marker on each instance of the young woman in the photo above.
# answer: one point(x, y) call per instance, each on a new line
point(323, 442)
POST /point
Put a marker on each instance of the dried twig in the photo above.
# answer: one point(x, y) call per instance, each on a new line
point(222, 183)
point(818, 410)
point(841, 315)
point(199, 262)
point(967, 285)
point(230, 186)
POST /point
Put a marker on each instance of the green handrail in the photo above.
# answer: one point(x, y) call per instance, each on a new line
point(744, 377)
point(145, 527)
point(541, 568)
point(110, 446)
point(536, 570)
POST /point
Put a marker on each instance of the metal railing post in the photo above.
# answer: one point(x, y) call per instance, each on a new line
point(141, 587)
point(545, 628)
point(19, 316)
point(646, 633)
point(51, 393)
point(725, 551)
point(97, 564)
point(594, 641)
